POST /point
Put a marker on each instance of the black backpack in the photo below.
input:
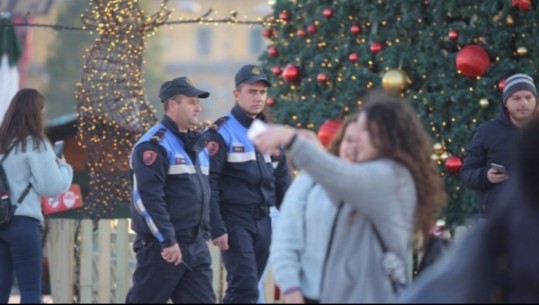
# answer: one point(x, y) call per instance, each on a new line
point(7, 209)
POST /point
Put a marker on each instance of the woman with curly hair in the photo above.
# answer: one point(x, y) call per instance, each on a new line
point(393, 192)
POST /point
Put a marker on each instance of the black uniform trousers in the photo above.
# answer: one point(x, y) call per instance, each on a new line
point(156, 280)
point(249, 237)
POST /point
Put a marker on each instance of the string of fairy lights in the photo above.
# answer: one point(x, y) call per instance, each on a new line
point(112, 111)
point(205, 19)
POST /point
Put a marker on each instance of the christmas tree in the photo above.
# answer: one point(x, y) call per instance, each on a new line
point(448, 58)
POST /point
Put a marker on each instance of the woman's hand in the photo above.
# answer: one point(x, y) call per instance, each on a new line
point(294, 298)
point(273, 137)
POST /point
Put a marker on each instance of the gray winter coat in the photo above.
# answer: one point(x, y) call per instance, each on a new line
point(379, 192)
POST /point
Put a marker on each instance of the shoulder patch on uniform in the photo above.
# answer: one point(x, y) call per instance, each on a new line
point(213, 147)
point(149, 156)
point(158, 135)
point(219, 122)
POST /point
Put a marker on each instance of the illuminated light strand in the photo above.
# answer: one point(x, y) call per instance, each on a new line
point(182, 20)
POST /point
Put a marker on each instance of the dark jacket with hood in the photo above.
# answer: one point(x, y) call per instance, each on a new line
point(493, 142)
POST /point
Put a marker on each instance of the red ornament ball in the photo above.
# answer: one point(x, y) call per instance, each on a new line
point(453, 164)
point(277, 70)
point(376, 47)
point(522, 4)
point(328, 13)
point(322, 78)
point(300, 32)
point(472, 61)
point(353, 57)
point(453, 35)
point(273, 51)
point(268, 33)
point(291, 73)
point(327, 131)
point(355, 29)
point(501, 84)
point(271, 101)
point(311, 29)
point(284, 15)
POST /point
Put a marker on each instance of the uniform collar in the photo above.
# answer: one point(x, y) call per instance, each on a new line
point(171, 125)
point(243, 118)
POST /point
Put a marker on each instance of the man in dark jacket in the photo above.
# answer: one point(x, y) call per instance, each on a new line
point(496, 262)
point(494, 142)
point(244, 185)
point(170, 211)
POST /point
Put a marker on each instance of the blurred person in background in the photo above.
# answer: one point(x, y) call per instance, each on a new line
point(494, 142)
point(497, 262)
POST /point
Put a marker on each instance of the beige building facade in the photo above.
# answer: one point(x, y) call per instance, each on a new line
point(209, 53)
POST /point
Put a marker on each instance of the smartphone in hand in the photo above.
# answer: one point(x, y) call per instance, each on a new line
point(499, 168)
point(257, 127)
point(59, 149)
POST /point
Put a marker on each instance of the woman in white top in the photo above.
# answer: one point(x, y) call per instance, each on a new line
point(300, 238)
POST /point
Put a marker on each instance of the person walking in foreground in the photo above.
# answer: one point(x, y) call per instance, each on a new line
point(170, 210)
point(393, 191)
point(33, 171)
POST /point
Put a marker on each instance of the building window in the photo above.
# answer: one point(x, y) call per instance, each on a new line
point(203, 44)
point(255, 40)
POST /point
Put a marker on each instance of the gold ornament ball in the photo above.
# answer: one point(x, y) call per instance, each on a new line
point(509, 20)
point(435, 157)
point(438, 148)
point(484, 103)
point(444, 156)
point(395, 81)
point(272, 2)
point(521, 51)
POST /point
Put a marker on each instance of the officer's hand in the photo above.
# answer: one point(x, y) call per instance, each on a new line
point(172, 254)
point(496, 177)
point(222, 242)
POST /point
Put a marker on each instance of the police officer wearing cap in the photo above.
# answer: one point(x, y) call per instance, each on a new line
point(244, 185)
point(170, 209)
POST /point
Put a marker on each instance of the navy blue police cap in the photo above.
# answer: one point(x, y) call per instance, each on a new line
point(180, 85)
point(249, 74)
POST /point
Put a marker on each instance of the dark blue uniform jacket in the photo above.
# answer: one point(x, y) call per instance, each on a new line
point(171, 192)
point(242, 178)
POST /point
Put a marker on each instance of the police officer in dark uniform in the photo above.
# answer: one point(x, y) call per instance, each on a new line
point(170, 210)
point(244, 184)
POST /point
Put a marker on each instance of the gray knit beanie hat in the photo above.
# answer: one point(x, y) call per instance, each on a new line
point(517, 82)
